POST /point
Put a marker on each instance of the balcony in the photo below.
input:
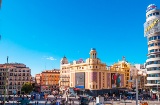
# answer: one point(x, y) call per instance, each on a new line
point(65, 81)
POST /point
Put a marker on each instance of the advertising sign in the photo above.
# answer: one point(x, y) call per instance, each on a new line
point(151, 26)
point(80, 80)
point(116, 80)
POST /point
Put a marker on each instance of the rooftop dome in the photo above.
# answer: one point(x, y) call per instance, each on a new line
point(151, 7)
point(93, 49)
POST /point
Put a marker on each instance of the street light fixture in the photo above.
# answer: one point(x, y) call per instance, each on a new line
point(135, 73)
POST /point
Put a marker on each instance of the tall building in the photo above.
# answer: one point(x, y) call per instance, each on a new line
point(17, 74)
point(49, 80)
point(152, 32)
point(64, 74)
point(91, 75)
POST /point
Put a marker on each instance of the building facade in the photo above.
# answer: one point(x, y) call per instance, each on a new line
point(123, 66)
point(152, 32)
point(37, 79)
point(142, 80)
point(17, 74)
point(92, 75)
point(64, 82)
point(49, 80)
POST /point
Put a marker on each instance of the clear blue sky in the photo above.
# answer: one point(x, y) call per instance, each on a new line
point(34, 30)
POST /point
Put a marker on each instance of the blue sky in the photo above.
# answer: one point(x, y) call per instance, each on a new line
point(34, 30)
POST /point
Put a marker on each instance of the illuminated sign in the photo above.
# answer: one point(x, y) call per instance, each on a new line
point(151, 7)
point(152, 25)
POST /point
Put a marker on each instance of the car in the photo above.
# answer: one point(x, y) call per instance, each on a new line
point(84, 100)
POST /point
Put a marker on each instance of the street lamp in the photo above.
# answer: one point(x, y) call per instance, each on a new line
point(158, 91)
point(135, 73)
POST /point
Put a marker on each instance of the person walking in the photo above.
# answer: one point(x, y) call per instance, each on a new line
point(37, 102)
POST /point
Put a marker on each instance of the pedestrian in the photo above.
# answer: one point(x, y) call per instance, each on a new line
point(73, 102)
point(37, 102)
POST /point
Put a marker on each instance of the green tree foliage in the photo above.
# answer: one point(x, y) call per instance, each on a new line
point(27, 88)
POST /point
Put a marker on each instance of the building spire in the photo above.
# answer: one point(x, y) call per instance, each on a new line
point(123, 58)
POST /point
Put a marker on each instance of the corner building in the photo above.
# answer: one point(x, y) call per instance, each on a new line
point(152, 32)
point(18, 74)
point(90, 76)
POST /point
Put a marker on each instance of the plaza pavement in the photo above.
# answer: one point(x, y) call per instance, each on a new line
point(76, 102)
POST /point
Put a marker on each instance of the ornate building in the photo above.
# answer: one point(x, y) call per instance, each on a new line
point(64, 74)
point(122, 66)
point(92, 75)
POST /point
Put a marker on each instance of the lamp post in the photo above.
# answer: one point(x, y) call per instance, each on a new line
point(135, 73)
point(158, 91)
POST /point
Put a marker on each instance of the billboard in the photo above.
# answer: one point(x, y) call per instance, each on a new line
point(80, 80)
point(116, 80)
point(151, 26)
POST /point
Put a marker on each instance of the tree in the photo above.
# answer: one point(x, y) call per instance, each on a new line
point(27, 88)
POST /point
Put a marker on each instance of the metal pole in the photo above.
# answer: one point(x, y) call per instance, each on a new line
point(136, 90)
point(157, 92)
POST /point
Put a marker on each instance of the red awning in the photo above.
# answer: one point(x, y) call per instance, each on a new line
point(76, 89)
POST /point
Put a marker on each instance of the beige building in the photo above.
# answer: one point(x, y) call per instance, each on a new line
point(142, 80)
point(122, 66)
point(92, 75)
point(17, 74)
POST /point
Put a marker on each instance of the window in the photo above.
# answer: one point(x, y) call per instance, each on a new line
point(157, 13)
point(151, 50)
point(155, 37)
point(150, 14)
point(152, 44)
point(154, 13)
